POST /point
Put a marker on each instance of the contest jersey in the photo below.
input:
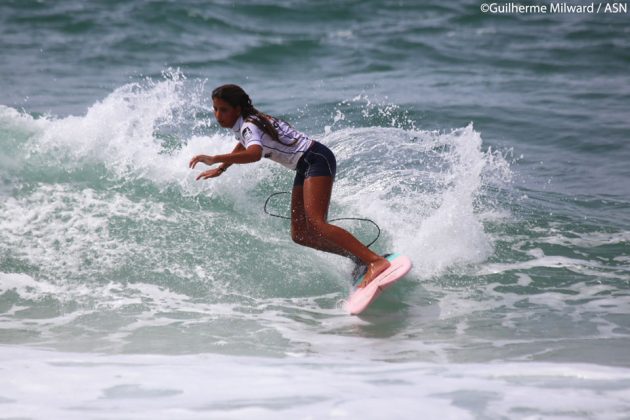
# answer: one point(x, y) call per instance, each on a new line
point(287, 150)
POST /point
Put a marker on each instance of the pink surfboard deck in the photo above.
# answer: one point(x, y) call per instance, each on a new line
point(361, 298)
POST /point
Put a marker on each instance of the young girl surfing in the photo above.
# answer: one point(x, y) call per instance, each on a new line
point(260, 135)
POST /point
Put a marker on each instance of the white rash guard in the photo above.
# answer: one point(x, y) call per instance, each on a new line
point(287, 151)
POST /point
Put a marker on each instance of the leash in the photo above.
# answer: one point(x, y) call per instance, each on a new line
point(378, 234)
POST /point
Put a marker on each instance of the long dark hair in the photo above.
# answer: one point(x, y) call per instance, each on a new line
point(236, 96)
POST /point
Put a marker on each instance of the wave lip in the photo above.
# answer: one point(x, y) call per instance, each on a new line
point(426, 188)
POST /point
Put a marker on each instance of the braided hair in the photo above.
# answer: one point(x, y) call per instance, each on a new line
point(236, 96)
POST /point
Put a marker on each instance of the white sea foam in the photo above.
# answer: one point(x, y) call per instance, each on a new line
point(26, 286)
point(79, 386)
point(577, 265)
point(63, 229)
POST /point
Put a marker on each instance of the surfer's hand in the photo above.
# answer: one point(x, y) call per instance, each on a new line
point(208, 160)
point(210, 173)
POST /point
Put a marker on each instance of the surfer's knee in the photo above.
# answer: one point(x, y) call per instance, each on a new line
point(317, 225)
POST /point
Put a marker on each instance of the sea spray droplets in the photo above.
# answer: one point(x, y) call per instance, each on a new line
point(364, 111)
point(422, 188)
point(128, 131)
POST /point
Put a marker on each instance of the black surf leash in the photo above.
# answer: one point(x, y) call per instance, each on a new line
point(331, 220)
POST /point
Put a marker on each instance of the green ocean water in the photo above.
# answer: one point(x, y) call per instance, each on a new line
point(491, 149)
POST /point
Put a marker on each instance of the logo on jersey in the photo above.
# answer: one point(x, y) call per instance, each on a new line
point(247, 133)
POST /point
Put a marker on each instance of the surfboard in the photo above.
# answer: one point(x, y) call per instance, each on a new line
point(361, 298)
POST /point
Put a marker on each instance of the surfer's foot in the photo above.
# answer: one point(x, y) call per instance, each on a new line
point(373, 270)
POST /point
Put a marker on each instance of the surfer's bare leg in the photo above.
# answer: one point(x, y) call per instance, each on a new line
point(316, 196)
point(303, 234)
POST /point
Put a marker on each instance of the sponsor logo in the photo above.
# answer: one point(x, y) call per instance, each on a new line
point(247, 133)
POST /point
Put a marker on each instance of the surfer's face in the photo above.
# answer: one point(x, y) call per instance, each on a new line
point(225, 113)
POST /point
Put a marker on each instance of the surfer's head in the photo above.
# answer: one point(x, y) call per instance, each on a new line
point(231, 102)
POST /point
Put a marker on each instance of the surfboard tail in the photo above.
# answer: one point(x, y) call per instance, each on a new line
point(360, 299)
point(359, 270)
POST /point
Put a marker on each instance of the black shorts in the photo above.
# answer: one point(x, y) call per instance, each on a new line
point(319, 160)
